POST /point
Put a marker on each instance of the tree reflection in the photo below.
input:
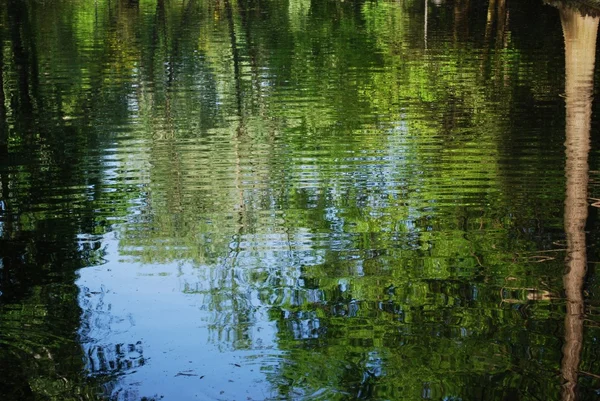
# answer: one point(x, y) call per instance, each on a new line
point(327, 189)
point(51, 183)
point(580, 33)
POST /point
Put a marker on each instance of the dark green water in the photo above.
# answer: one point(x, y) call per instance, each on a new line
point(298, 200)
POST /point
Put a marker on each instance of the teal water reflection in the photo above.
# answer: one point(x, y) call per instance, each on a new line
point(301, 199)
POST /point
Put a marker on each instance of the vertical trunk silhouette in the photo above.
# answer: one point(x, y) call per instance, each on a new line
point(461, 19)
point(425, 26)
point(3, 127)
point(491, 16)
point(236, 57)
point(580, 43)
point(501, 36)
point(25, 55)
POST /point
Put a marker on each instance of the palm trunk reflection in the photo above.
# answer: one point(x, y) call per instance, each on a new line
point(580, 44)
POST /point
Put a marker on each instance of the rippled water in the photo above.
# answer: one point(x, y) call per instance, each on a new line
point(301, 199)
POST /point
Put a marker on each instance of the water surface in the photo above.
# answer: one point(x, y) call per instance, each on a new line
point(312, 200)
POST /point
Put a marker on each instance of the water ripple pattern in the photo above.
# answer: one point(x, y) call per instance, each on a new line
point(291, 200)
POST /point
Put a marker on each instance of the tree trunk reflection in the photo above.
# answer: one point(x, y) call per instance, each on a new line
point(580, 43)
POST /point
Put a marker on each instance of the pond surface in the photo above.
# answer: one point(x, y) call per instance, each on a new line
point(298, 200)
